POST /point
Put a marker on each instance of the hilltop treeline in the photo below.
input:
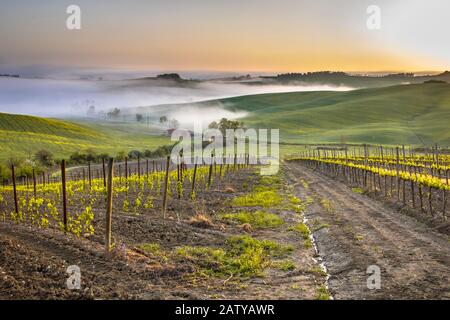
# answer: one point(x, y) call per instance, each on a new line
point(358, 80)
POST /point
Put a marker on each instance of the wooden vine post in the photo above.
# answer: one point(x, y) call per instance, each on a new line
point(193, 180)
point(34, 183)
point(166, 186)
point(210, 171)
point(444, 198)
point(397, 168)
point(104, 172)
point(89, 174)
point(413, 199)
point(84, 179)
point(178, 177)
point(430, 204)
point(16, 207)
point(139, 167)
point(109, 205)
point(64, 195)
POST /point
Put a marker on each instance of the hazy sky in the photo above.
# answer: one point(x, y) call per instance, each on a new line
point(227, 35)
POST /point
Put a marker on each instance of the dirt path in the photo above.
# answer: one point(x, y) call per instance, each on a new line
point(356, 232)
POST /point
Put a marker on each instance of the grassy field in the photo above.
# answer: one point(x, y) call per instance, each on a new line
point(409, 114)
point(22, 136)
point(415, 114)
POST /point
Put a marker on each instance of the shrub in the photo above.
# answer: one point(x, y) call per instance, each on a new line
point(44, 157)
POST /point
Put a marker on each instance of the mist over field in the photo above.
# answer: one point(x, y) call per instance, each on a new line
point(72, 98)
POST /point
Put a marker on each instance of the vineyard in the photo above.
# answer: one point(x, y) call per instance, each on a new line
point(152, 229)
point(68, 201)
point(420, 181)
point(200, 230)
point(255, 154)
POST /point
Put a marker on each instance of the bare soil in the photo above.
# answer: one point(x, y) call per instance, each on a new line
point(358, 231)
point(33, 261)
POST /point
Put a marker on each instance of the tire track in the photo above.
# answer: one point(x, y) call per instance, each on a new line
point(414, 260)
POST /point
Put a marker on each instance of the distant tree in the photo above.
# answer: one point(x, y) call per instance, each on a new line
point(91, 111)
point(103, 156)
point(225, 124)
point(213, 125)
point(148, 153)
point(78, 158)
point(91, 155)
point(163, 119)
point(44, 157)
point(121, 156)
point(14, 161)
point(162, 151)
point(139, 117)
point(134, 154)
point(169, 76)
point(25, 169)
point(114, 113)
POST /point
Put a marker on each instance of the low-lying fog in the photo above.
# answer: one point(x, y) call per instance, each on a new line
point(72, 98)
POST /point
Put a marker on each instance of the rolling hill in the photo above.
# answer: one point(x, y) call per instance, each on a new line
point(22, 136)
point(357, 81)
point(415, 114)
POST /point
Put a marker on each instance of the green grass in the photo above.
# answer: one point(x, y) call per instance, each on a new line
point(302, 230)
point(284, 265)
point(294, 200)
point(414, 114)
point(404, 114)
point(264, 199)
point(22, 136)
point(154, 249)
point(358, 190)
point(319, 271)
point(267, 183)
point(326, 204)
point(243, 256)
point(322, 293)
point(257, 219)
